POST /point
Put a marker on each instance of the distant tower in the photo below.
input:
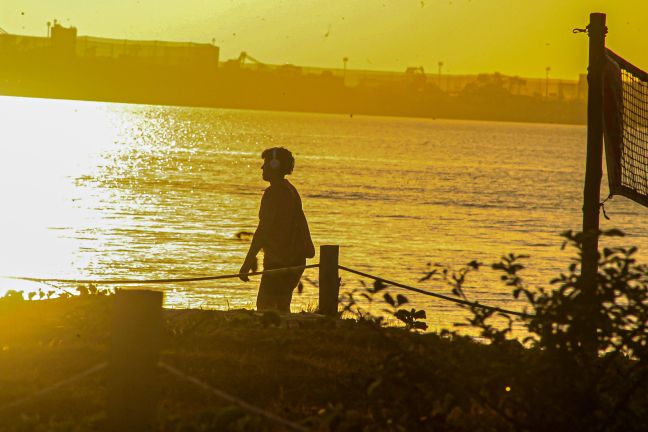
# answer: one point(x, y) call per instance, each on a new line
point(345, 60)
point(64, 40)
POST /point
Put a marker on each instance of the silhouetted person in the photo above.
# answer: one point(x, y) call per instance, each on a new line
point(282, 233)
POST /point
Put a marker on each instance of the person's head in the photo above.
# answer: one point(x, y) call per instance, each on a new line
point(277, 163)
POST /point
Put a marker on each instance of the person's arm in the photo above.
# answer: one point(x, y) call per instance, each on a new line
point(266, 217)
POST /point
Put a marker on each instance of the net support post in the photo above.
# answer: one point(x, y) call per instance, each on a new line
point(594, 165)
point(329, 279)
point(132, 374)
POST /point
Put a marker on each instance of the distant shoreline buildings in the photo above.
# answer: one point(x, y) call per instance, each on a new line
point(67, 66)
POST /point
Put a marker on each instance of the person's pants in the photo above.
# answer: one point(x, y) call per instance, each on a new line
point(276, 289)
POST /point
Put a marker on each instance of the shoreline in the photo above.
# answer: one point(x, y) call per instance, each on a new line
point(577, 118)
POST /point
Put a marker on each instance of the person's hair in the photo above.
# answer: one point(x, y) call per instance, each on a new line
point(284, 156)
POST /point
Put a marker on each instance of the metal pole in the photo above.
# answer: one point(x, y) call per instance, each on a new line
point(594, 163)
point(329, 280)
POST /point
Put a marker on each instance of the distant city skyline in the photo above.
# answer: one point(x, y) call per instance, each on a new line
point(467, 36)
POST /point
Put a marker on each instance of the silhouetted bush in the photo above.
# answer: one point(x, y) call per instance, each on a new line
point(561, 377)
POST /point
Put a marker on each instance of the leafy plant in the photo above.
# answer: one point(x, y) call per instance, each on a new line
point(582, 365)
point(593, 340)
point(412, 319)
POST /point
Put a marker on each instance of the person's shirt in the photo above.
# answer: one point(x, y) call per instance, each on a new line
point(280, 205)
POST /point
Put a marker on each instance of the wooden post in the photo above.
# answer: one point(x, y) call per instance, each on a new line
point(329, 280)
point(594, 163)
point(136, 337)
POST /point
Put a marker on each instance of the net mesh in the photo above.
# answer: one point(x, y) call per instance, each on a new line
point(625, 120)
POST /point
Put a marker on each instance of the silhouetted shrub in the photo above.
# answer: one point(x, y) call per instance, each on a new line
point(561, 377)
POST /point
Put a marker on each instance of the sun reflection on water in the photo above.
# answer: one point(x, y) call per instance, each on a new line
point(41, 159)
point(96, 190)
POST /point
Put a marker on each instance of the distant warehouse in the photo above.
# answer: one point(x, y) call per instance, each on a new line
point(65, 42)
point(64, 65)
point(157, 52)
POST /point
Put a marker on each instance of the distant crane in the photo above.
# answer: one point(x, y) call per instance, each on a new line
point(240, 61)
point(245, 56)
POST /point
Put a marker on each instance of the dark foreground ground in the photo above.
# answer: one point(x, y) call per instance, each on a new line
point(292, 369)
point(303, 368)
point(323, 374)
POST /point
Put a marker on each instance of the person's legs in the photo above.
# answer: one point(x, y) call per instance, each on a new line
point(290, 280)
point(265, 298)
point(275, 289)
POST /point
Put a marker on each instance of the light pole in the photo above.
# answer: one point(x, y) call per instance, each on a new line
point(440, 67)
point(345, 60)
point(547, 69)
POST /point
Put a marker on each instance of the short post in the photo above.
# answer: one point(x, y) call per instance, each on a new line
point(329, 280)
point(136, 338)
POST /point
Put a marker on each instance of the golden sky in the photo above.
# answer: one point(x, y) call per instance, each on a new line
point(514, 37)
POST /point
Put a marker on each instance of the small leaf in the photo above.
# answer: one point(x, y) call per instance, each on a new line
point(378, 285)
point(420, 325)
point(389, 299)
point(367, 296)
point(613, 233)
point(474, 264)
point(403, 315)
point(428, 276)
point(401, 300)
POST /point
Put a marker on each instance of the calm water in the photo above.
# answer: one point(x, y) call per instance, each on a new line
point(94, 190)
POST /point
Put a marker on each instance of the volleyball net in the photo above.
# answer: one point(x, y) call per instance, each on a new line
point(625, 126)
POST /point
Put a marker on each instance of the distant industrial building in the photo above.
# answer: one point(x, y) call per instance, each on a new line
point(67, 66)
point(64, 42)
